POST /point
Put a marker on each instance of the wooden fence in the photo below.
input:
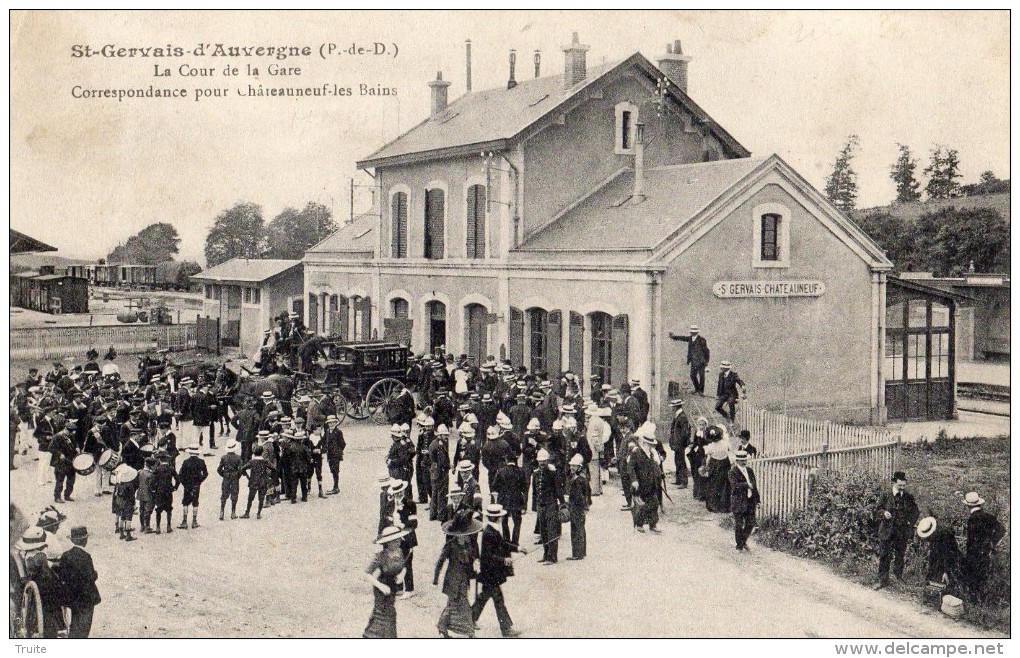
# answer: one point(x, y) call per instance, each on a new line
point(785, 482)
point(66, 342)
point(776, 435)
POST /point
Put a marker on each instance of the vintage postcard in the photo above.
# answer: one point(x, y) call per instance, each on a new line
point(495, 324)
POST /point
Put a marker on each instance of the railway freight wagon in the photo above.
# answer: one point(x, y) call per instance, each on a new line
point(123, 275)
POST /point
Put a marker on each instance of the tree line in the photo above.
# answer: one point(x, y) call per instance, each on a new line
point(156, 244)
point(947, 241)
point(241, 232)
point(942, 171)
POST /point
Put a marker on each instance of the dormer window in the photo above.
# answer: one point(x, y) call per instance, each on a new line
point(771, 235)
point(626, 122)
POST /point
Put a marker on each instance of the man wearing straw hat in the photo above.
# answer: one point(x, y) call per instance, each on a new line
point(744, 499)
point(645, 479)
point(193, 473)
point(495, 566)
point(229, 469)
point(728, 390)
point(31, 545)
point(898, 513)
point(984, 532)
point(697, 356)
point(679, 439)
point(943, 553)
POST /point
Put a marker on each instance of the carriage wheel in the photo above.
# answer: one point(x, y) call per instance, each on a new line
point(358, 410)
point(340, 402)
point(379, 396)
point(31, 612)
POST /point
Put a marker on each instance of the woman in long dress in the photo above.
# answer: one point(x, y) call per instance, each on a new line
point(717, 456)
point(696, 456)
point(460, 551)
point(382, 573)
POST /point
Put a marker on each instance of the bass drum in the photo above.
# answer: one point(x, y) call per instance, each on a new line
point(109, 460)
point(84, 464)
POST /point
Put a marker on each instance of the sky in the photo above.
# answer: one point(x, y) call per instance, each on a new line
point(86, 174)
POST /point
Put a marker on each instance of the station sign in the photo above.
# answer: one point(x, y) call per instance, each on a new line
point(745, 289)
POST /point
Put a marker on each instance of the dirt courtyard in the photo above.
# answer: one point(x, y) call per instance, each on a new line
point(298, 572)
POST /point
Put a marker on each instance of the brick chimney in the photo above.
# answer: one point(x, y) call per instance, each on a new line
point(440, 89)
point(574, 62)
point(512, 82)
point(674, 65)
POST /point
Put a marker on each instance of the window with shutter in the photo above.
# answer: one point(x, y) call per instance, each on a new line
point(435, 215)
point(538, 321)
point(554, 342)
point(313, 313)
point(476, 221)
point(576, 341)
point(619, 348)
point(516, 337)
point(602, 346)
point(399, 225)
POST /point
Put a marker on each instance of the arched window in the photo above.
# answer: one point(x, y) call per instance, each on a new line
point(538, 320)
point(398, 207)
point(399, 308)
point(435, 223)
point(435, 312)
point(476, 207)
point(602, 346)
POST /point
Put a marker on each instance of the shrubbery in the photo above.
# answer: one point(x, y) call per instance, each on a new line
point(838, 525)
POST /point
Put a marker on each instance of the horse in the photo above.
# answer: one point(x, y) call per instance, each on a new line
point(281, 386)
point(151, 366)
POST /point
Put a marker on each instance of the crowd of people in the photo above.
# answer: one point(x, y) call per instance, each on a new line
point(477, 445)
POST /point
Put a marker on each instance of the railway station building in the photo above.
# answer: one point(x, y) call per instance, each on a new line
point(572, 221)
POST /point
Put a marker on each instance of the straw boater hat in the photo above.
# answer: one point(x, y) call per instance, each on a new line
point(462, 525)
point(741, 456)
point(725, 365)
point(465, 466)
point(455, 490)
point(332, 420)
point(443, 430)
point(568, 408)
point(263, 435)
point(926, 526)
point(646, 431)
point(397, 486)
point(676, 402)
point(385, 481)
point(494, 511)
point(391, 533)
point(972, 499)
point(267, 395)
point(33, 539)
point(694, 329)
point(124, 474)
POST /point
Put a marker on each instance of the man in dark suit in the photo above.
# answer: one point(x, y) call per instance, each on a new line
point(984, 531)
point(511, 487)
point(246, 422)
point(645, 479)
point(744, 499)
point(679, 439)
point(495, 566)
point(79, 577)
point(548, 498)
point(641, 397)
point(697, 357)
point(898, 513)
point(745, 444)
point(728, 390)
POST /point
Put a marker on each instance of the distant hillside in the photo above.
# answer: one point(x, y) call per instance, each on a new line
point(915, 209)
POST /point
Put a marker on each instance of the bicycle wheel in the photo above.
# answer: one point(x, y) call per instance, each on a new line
point(32, 611)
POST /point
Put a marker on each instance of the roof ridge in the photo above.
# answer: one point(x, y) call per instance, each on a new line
point(692, 165)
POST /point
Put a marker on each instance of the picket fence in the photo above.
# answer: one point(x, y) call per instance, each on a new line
point(793, 451)
point(67, 342)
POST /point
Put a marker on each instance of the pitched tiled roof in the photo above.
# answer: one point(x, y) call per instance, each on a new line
point(494, 116)
point(357, 236)
point(673, 195)
point(253, 270)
